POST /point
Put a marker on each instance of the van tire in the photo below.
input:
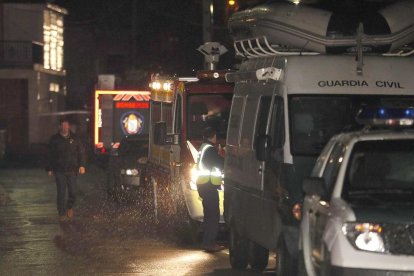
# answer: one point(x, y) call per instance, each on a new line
point(258, 257)
point(285, 263)
point(238, 249)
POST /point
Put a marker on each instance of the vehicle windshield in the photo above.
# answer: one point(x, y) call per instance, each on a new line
point(210, 110)
point(314, 119)
point(381, 170)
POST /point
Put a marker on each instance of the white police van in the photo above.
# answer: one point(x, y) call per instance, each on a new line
point(288, 103)
point(358, 212)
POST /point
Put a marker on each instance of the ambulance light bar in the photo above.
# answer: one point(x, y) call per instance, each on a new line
point(160, 85)
point(386, 116)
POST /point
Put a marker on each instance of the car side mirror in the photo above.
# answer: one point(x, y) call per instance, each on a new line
point(314, 186)
point(263, 147)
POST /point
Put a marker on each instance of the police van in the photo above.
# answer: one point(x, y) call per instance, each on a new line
point(289, 101)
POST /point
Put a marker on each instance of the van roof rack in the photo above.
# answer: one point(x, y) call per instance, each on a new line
point(260, 47)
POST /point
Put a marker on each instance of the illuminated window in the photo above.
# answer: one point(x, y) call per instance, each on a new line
point(53, 40)
point(54, 87)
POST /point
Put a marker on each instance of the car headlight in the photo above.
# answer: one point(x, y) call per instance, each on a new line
point(365, 236)
point(130, 172)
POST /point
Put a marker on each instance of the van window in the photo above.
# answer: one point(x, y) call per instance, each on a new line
point(234, 122)
point(249, 116)
point(314, 119)
point(208, 110)
point(277, 129)
point(261, 122)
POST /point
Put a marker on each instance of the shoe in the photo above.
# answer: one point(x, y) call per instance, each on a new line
point(213, 248)
point(70, 213)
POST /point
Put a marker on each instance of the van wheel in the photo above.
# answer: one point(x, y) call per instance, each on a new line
point(285, 263)
point(238, 249)
point(258, 256)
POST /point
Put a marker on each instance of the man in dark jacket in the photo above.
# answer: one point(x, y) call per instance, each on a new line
point(66, 161)
point(210, 166)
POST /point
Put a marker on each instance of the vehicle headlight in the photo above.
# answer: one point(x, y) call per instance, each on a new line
point(130, 172)
point(365, 236)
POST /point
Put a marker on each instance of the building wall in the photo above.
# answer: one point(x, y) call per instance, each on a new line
point(42, 104)
point(23, 22)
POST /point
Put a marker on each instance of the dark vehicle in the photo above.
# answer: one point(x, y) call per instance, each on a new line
point(125, 169)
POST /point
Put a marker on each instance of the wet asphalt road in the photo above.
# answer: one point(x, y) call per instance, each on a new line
point(103, 238)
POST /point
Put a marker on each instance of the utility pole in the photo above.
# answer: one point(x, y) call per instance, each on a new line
point(208, 20)
point(134, 34)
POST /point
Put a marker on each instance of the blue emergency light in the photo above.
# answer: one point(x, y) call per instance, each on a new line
point(386, 116)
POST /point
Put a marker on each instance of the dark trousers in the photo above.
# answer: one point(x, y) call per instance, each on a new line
point(209, 194)
point(63, 182)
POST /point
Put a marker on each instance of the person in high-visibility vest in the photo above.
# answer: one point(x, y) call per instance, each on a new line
point(210, 166)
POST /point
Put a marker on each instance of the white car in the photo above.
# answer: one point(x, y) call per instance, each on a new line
point(358, 210)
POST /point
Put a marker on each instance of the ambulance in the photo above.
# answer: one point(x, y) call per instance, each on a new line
point(181, 108)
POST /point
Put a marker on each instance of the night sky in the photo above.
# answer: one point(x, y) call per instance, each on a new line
point(99, 39)
point(166, 31)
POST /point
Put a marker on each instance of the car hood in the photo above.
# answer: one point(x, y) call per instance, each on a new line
point(385, 214)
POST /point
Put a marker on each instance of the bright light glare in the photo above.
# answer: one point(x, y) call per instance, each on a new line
point(166, 86)
point(370, 241)
point(232, 2)
point(156, 85)
point(132, 172)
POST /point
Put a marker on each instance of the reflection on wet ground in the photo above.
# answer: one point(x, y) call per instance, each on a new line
point(104, 238)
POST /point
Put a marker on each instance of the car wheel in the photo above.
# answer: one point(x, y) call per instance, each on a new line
point(258, 256)
point(285, 263)
point(326, 262)
point(238, 249)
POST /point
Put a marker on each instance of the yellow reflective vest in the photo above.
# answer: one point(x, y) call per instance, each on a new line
point(204, 175)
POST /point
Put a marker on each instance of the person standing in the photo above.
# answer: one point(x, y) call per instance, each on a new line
point(210, 166)
point(66, 161)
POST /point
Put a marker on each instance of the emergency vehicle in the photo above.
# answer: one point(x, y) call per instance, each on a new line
point(305, 75)
point(119, 113)
point(357, 213)
point(181, 108)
